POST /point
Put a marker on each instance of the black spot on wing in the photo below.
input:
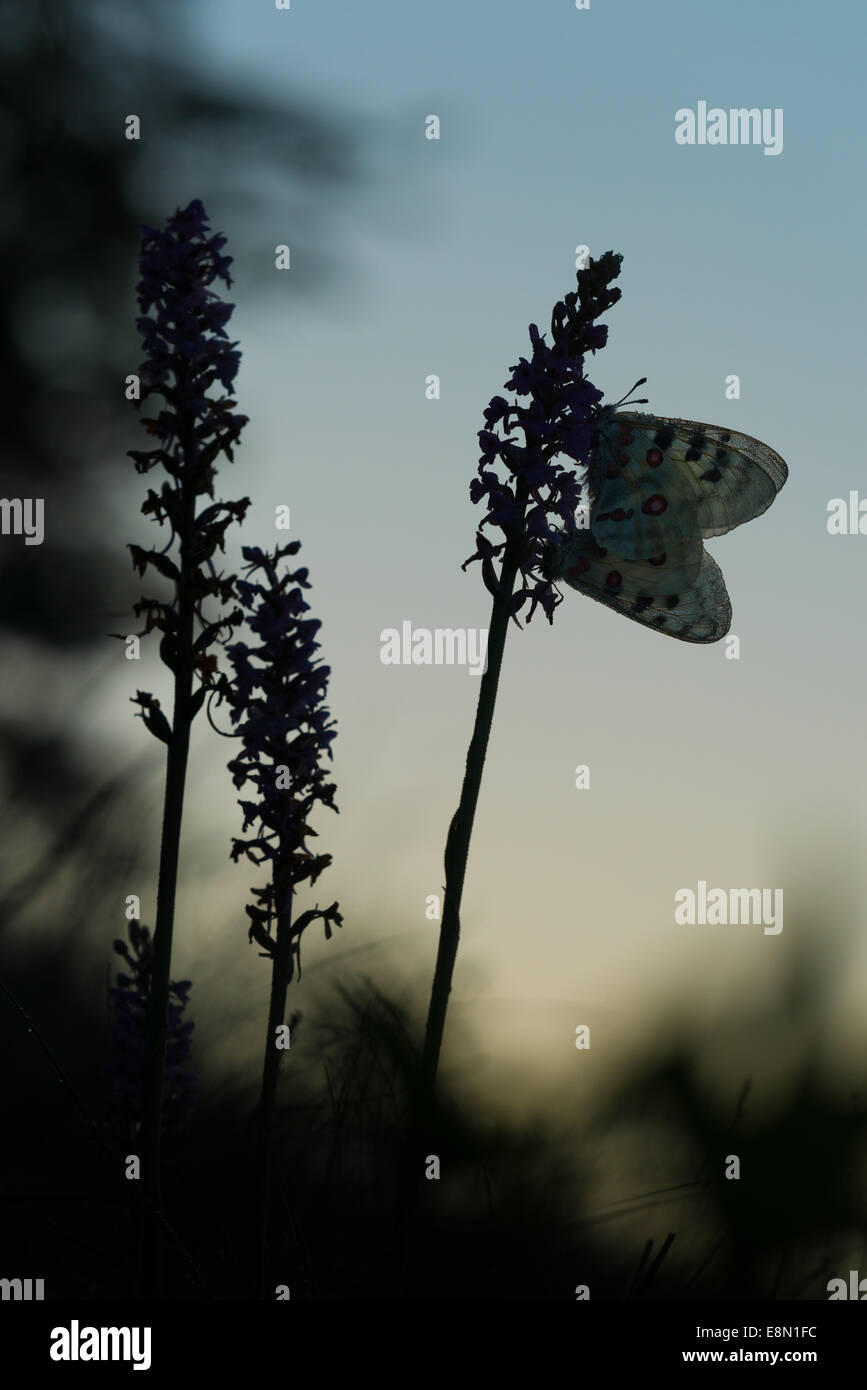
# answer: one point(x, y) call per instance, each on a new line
point(711, 475)
point(664, 437)
point(696, 447)
point(672, 600)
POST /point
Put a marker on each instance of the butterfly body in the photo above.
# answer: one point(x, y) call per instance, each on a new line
point(657, 489)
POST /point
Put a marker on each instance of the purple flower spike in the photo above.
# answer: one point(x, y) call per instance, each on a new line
point(183, 330)
point(275, 701)
point(559, 419)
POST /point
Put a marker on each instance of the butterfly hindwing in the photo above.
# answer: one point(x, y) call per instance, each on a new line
point(658, 483)
point(681, 592)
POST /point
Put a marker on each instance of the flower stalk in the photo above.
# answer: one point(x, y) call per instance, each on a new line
point(559, 420)
point(276, 701)
point(182, 325)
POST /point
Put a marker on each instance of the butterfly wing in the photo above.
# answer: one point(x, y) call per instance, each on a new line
point(681, 592)
point(657, 488)
point(659, 483)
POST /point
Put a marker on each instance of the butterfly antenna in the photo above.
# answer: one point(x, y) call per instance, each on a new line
point(642, 401)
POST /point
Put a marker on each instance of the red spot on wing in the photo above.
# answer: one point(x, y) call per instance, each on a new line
point(655, 505)
point(654, 457)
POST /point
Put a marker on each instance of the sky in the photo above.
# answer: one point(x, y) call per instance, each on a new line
point(557, 130)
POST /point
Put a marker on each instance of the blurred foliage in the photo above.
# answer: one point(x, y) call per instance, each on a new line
point(75, 192)
point(515, 1214)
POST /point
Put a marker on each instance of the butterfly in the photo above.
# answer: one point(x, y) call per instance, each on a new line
point(657, 489)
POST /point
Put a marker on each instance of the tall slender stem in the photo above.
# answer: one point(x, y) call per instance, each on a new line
point(457, 850)
point(280, 973)
point(176, 770)
point(461, 829)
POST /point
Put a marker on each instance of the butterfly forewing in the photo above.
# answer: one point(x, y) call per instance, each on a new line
point(660, 482)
